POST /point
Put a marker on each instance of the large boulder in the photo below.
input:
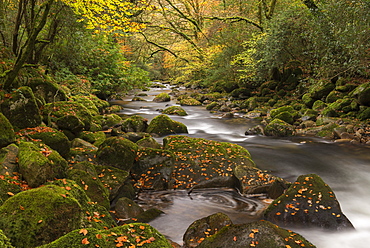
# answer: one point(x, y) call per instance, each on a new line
point(21, 109)
point(164, 125)
point(39, 216)
point(50, 136)
point(175, 110)
point(203, 228)
point(47, 90)
point(200, 159)
point(126, 208)
point(362, 93)
point(189, 101)
point(162, 97)
point(279, 128)
point(118, 152)
point(255, 234)
point(131, 235)
point(308, 202)
point(9, 160)
point(7, 135)
point(135, 123)
point(40, 163)
point(8, 187)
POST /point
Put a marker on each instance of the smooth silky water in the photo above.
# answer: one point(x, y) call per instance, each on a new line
point(345, 167)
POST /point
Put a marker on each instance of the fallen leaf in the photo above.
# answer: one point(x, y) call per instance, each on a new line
point(234, 239)
point(10, 193)
point(39, 221)
point(83, 231)
point(85, 241)
point(251, 235)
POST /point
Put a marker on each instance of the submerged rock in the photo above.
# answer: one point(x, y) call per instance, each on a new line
point(308, 202)
point(255, 234)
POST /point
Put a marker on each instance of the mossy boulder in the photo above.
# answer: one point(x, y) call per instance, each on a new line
point(212, 106)
point(175, 110)
point(134, 234)
point(308, 100)
point(255, 234)
point(149, 142)
point(364, 114)
point(203, 228)
point(320, 89)
point(114, 180)
point(135, 123)
point(308, 202)
point(64, 113)
point(318, 105)
point(118, 152)
point(189, 101)
point(110, 120)
point(200, 159)
point(153, 168)
point(9, 160)
point(333, 96)
point(86, 102)
point(95, 138)
point(138, 98)
point(126, 208)
point(21, 108)
point(162, 97)
point(7, 135)
point(39, 163)
point(8, 187)
point(163, 125)
point(50, 136)
point(47, 90)
point(5, 241)
point(362, 93)
point(279, 128)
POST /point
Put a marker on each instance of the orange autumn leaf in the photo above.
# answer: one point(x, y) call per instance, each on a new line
point(142, 227)
point(68, 188)
point(98, 236)
point(85, 241)
point(83, 231)
point(121, 239)
point(21, 207)
point(234, 239)
point(255, 230)
point(251, 235)
point(10, 193)
point(119, 245)
point(39, 221)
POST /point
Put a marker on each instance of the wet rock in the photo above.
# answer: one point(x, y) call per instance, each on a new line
point(110, 120)
point(259, 129)
point(203, 228)
point(279, 128)
point(137, 234)
point(175, 110)
point(135, 137)
point(95, 138)
point(308, 202)
point(255, 234)
point(50, 136)
point(138, 98)
point(135, 123)
point(39, 163)
point(189, 101)
point(164, 125)
point(21, 108)
point(126, 208)
point(219, 182)
point(162, 97)
point(7, 135)
point(118, 152)
point(9, 160)
point(149, 142)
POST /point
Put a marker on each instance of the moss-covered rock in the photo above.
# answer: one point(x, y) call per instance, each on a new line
point(212, 105)
point(8, 188)
point(279, 128)
point(21, 108)
point(308, 100)
point(50, 136)
point(175, 110)
point(118, 152)
point(138, 98)
point(333, 96)
point(95, 138)
point(320, 89)
point(38, 216)
point(135, 234)
point(364, 114)
point(114, 180)
point(153, 168)
point(7, 135)
point(362, 93)
point(48, 90)
point(308, 202)
point(63, 110)
point(126, 208)
point(135, 123)
point(39, 163)
point(5, 241)
point(189, 101)
point(200, 159)
point(203, 228)
point(162, 97)
point(87, 178)
point(110, 120)
point(149, 142)
point(87, 103)
point(318, 105)
point(255, 234)
point(9, 160)
point(163, 125)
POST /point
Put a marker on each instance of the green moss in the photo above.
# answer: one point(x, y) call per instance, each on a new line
point(111, 120)
point(5, 241)
point(7, 135)
point(190, 102)
point(149, 142)
point(127, 235)
point(175, 110)
point(163, 125)
point(212, 105)
point(112, 178)
point(95, 138)
point(162, 97)
point(318, 105)
point(279, 128)
point(137, 98)
point(87, 103)
point(48, 90)
point(8, 187)
point(135, 123)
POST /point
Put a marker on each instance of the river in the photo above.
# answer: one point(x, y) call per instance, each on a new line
point(345, 167)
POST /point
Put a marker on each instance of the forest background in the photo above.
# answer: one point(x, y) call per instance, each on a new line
point(113, 46)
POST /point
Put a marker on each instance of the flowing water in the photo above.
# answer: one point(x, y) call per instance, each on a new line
point(345, 167)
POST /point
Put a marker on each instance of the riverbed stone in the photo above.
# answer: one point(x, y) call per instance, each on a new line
point(95, 138)
point(55, 139)
point(308, 202)
point(149, 142)
point(200, 159)
point(164, 125)
point(162, 97)
point(279, 128)
point(7, 135)
point(175, 110)
point(134, 234)
point(21, 108)
point(126, 208)
point(189, 101)
point(135, 123)
point(118, 152)
point(9, 160)
point(203, 228)
point(362, 92)
point(38, 163)
point(109, 120)
point(255, 234)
